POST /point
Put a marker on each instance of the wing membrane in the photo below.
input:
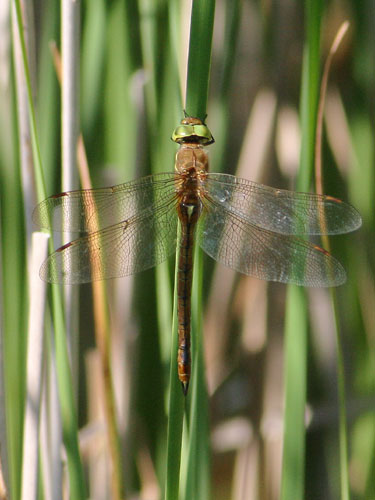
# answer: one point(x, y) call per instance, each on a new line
point(281, 211)
point(93, 209)
point(139, 243)
point(267, 255)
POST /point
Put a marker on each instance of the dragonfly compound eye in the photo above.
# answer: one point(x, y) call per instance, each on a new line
point(192, 132)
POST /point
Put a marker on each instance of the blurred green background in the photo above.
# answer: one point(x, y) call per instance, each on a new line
point(133, 60)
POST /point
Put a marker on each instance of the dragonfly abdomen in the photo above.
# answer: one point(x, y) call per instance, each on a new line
point(188, 214)
point(192, 167)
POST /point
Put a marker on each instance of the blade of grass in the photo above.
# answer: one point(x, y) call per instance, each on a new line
point(69, 418)
point(49, 106)
point(175, 412)
point(93, 59)
point(309, 92)
point(13, 312)
point(293, 462)
point(15, 182)
point(221, 110)
point(11, 272)
point(23, 119)
point(149, 38)
point(199, 62)
point(200, 43)
point(162, 95)
point(198, 466)
point(361, 277)
point(343, 438)
point(4, 462)
point(163, 104)
point(196, 102)
point(120, 113)
point(295, 346)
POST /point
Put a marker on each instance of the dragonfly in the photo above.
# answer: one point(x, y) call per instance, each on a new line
point(254, 229)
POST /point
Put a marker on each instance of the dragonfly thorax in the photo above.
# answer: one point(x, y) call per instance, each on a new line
point(191, 159)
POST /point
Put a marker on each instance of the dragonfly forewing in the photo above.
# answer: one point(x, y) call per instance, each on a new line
point(281, 211)
point(90, 210)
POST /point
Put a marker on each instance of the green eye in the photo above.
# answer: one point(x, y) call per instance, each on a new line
point(199, 134)
point(182, 132)
point(203, 132)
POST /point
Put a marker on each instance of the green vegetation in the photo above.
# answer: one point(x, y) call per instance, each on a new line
point(267, 415)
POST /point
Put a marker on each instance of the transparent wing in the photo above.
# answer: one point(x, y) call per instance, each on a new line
point(93, 209)
point(267, 255)
point(134, 245)
point(281, 211)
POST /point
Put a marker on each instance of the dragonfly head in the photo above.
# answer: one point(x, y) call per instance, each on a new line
point(192, 130)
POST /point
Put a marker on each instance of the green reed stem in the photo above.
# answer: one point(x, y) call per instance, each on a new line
point(68, 411)
point(293, 465)
point(202, 22)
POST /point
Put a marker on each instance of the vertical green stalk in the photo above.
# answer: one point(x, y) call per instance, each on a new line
point(343, 439)
point(196, 102)
point(198, 463)
point(221, 109)
point(175, 412)
point(68, 411)
point(199, 62)
point(293, 466)
point(309, 92)
point(295, 346)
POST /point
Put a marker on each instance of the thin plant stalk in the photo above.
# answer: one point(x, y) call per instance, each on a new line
point(4, 472)
point(22, 114)
point(229, 47)
point(70, 19)
point(293, 461)
point(70, 50)
point(175, 412)
point(343, 438)
point(68, 411)
point(35, 339)
point(196, 102)
point(16, 347)
point(198, 462)
point(199, 62)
